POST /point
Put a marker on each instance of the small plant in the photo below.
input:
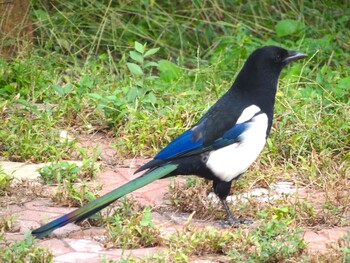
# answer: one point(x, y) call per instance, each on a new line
point(59, 172)
point(193, 241)
point(72, 195)
point(23, 251)
point(5, 182)
point(30, 134)
point(193, 197)
point(142, 69)
point(115, 105)
point(56, 173)
point(6, 223)
point(344, 247)
point(275, 241)
point(89, 167)
point(131, 227)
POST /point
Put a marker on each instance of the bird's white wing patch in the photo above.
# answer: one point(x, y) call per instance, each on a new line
point(248, 113)
point(229, 162)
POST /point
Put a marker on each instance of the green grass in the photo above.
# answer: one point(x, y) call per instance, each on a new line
point(87, 71)
point(23, 250)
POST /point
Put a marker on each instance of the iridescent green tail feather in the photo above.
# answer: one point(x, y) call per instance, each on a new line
point(103, 201)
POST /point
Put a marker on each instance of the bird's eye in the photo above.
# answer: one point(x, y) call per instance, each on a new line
point(278, 58)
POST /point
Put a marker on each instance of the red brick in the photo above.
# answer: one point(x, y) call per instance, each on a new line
point(84, 245)
point(56, 246)
point(78, 257)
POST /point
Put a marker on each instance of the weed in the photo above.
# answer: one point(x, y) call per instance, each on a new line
point(69, 194)
point(30, 135)
point(191, 241)
point(66, 171)
point(23, 251)
point(275, 241)
point(344, 247)
point(6, 223)
point(193, 197)
point(5, 182)
point(59, 172)
point(89, 167)
point(130, 227)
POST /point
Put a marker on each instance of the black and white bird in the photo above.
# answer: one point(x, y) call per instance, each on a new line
point(221, 146)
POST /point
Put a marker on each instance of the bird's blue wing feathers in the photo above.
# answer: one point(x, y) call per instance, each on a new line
point(181, 144)
point(184, 145)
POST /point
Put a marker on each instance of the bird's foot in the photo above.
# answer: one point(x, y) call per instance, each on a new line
point(245, 221)
point(234, 223)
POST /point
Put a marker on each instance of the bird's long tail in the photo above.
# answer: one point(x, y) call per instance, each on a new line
point(103, 201)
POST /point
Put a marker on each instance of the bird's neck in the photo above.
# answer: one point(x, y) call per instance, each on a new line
point(262, 94)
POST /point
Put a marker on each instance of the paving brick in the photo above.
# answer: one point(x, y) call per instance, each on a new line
point(334, 234)
point(111, 176)
point(92, 232)
point(10, 209)
point(39, 216)
point(66, 230)
point(14, 236)
point(46, 205)
point(313, 237)
point(133, 163)
point(160, 219)
point(153, 197)
point(84, 245)
point(57, 247)
point(317, 248)
point(26, 225)
point(78, 257)
point(138, 253)
point(21, 170)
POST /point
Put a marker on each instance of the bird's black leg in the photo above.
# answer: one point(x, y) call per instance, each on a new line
point(222, 190)
point(231, 218)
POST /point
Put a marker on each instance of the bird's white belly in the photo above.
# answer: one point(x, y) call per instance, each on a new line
point(229, 162)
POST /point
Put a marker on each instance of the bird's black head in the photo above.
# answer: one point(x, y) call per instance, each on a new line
point(273, 58)
point(258, 78)
point(263, 67)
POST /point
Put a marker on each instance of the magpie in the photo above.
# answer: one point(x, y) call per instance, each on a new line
point(220, 146)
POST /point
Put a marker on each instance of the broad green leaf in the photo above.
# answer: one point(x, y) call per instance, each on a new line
point(132, 94)
point(139, 47)
point(136, 56)
point(86, 81)
point(151, 98)
point(9, 88)
point(344, 83)
point(151, 77)
point(40, 14)
point(168, 70)
point(139, 83)
point(135, 69)
point(151, 64)
point(68, 88)
point(95, 96)
point(151, 52)
point(288, 27)
point(146, 217)
point(62, 90)
point(341, 90)
point(24, 102)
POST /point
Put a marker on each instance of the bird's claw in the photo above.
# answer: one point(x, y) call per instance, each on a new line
point(245, 221)
point(234, 223)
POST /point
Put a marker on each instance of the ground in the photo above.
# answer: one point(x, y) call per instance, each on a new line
point(72, 243)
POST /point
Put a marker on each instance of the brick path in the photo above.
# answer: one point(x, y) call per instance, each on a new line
point(72, 244)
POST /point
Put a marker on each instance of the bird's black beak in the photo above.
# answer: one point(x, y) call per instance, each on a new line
point(293, 55)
